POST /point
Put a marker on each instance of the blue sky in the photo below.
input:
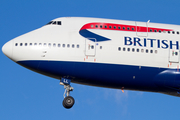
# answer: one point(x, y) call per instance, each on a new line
point(26, 95)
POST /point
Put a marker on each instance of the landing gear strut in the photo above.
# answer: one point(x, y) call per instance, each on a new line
point(68, 101)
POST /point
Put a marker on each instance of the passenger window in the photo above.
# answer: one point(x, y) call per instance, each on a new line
point(156, 51)
point(68, 45)
point(30, 44)
point(35, 44)
point(132, 28)
point(40, 44)
point(155, 30)
point(142, 50)
point(110, 27)
point(105, 26)
point(96, 26)
point(16, 44)
point(169, 32)
point(59, 45)
point(49, 44)
point(137, 50)
point(72, 45)
point(100, 26)
point(151, 51)
point(128, 49)
point(177, 32)
point(146, 50)
point(44, 44)
point(21, 44)
point(159, 31)
point(119, 27)
point(150, 30)
point(173, 32)
point(128, 28)
point(64, 45)
point(25, 44)
point(114, 27)
point(77, 46)
point(92, 46)
point(119, 48)
point(54, 45)
point(124, 49)
point(176, 53)
point(124, 28)
point(100, 47)
point(133, 49)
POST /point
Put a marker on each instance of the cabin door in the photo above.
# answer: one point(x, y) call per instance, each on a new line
point(90, 47)
point(173, 55)
point(142, 29)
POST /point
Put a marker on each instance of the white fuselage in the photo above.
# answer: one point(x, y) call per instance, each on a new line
point(138, 45)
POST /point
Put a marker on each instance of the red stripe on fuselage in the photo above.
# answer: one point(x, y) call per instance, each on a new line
point(121, 27)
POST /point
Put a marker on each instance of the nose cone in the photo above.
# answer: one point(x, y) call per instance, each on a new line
point(7, 49)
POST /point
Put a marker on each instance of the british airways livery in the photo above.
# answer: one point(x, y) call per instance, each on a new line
point(127, 55)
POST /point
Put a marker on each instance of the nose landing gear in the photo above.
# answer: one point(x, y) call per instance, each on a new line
point(68, 101)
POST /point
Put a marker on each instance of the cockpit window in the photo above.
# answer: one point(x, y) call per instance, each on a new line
point(54, 23)
point(49, 22)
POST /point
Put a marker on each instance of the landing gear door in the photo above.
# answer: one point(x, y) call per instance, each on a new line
point(174, 55)
point(90, 47)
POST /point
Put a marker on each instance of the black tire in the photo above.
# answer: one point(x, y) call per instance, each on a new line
point(68, 102)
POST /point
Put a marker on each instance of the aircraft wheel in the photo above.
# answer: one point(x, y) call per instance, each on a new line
point(68, 102)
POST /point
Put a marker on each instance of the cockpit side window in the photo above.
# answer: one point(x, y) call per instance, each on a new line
point(59, 22)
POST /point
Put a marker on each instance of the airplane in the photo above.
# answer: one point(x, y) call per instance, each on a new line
point(118, 54)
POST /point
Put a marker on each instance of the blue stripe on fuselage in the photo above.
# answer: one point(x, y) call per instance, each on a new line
point(98, 74)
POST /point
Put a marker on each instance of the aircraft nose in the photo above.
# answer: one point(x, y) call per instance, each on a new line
point(7, 49)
